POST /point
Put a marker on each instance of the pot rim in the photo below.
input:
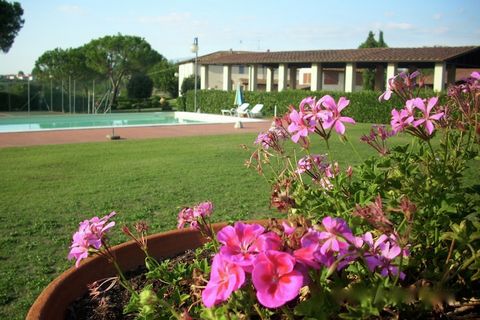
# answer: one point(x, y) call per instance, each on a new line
point(53, 301)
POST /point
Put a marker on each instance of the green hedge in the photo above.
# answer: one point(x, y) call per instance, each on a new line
point(364, 106)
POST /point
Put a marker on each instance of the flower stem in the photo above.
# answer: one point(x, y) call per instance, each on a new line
point(288, 313)
point(354, 149)
point(259, 312)
point(169, 307)
point(123, 281)
point(397, 276)
point(431, 148)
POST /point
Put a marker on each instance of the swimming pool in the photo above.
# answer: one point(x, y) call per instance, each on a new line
point(109, 120)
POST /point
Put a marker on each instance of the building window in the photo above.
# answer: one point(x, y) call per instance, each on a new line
point(307, 78)
point(330, 77)
point(241, 69)
point(359, 79)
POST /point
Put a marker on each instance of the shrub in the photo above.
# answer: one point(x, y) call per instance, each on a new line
point(140, 86)
point(188, 84)
point(364, 105)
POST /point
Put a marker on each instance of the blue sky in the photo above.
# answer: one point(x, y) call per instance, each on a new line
point(170, 26)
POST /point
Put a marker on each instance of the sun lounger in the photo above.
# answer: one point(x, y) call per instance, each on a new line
point(236, 111)
point(256, 111)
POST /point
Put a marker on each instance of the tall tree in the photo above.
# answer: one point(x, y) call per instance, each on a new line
point(163, 76)
point(368, 75)
point(10, 23)
point(139, 86)
point(119, 56)
point(370, 42)
point(63, 64)
point(52, 63)
point(381, 42)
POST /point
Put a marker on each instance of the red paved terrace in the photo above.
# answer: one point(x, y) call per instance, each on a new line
point(22, 139)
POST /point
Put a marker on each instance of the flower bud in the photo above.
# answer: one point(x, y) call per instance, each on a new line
point(148, 297)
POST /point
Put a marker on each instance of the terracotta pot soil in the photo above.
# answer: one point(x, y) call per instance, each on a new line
point(108, 304)
point(54, 301)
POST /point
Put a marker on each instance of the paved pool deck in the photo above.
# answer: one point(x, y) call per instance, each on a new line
point(23, 139)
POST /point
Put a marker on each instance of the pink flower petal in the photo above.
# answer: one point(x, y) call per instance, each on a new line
point(275, 278)
point(431, 103)
point(342, 103)
point(340, 127)
point(225, 277)
point(437, 116)
point(429, 126)
point(329, 102)
point(347, 119)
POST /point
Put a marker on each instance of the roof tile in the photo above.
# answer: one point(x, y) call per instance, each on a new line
point(424, 54)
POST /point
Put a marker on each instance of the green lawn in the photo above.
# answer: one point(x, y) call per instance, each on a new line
point(45, 191)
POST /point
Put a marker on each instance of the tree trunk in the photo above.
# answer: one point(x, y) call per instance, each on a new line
point(114, 96)
point(115, 89)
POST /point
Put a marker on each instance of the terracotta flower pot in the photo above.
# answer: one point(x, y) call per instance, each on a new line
point(54, 300)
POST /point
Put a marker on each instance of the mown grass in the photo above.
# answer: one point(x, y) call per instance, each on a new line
point(45, 191)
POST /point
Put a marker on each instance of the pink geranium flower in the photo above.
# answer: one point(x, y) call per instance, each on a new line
point(89, 237)
point(288, 229)
point(427, 119)
point(276, 279)
point(333, 238)
point(203, 209)
point(243, 242)
point(307, 104)
point(336, 120)
point(185, 216)
point(307, 255)
point(309, 162)
point(301, 125)
point(313, 109)
point(264, 140)
point(225, 278)
point(326, 246)
point(386, 95)
point(381, 253)
point(192, 215)
point(400, 120)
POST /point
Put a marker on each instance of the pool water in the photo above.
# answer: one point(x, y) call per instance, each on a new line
point(84, 121)
point(36, 122)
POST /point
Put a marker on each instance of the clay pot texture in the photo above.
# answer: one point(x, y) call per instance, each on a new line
point(54, 300)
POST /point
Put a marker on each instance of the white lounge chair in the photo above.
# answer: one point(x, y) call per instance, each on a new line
point(256, 111)
point(236, 111)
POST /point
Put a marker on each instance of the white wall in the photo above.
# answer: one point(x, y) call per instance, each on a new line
point(215, 76)
point(184, 71)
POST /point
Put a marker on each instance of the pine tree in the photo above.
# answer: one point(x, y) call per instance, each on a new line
point(369, 74)
point(381, 42)
point(370, 42)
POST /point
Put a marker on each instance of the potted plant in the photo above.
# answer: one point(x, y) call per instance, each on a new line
point(394, 237)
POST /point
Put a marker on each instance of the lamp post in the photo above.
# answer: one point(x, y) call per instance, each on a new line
point(51, 92)
point(28, 86)
point(63, 108)
point(195, 50)
point(11, 79)
point(70, 93)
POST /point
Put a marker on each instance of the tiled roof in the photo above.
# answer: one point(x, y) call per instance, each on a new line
point(424, 54)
